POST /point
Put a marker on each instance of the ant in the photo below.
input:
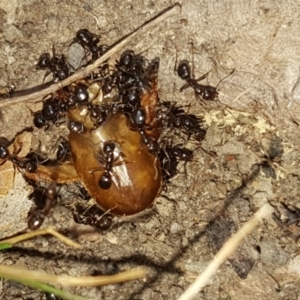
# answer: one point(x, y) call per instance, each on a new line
point(53, 109)
point(131, 63)
point(138, 119)
point(204, 92)
point(28, 163)
point(83, 193)
point(45, 199)
point(131, 72)
point(131, 77)
point(86, 39)
point(80, 95)
point(168, 165)
point(89, 42)
point(169, 157)
point(108, 160)
point(176, 117)
point(98, 113)
point(179, 152)
point(64, 151)
point(93, 216)
point(58, 66)
point(131, 99)
point(126, 59)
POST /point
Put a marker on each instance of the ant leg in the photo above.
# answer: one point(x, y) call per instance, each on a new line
point(62, 145)
point(92, 171)
point(46, 75)
point(115, 178)
point(225, 77)
point(201, 101)
point(57, 124)
point(53, 51)
point(202, 77)
point(3, 162)
point(185, 86)
point(193, 60)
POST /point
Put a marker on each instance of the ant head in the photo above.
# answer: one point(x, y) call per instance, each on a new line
point(184, 70)
point(44, 61)
point(108, 146)
point(126, 59)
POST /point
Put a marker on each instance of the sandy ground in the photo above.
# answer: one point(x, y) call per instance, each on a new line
point(250, 155)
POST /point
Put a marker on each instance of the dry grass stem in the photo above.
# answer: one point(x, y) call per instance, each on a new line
point(39, 95)
point(228, 249)
point(32, 234)
point(14, 273)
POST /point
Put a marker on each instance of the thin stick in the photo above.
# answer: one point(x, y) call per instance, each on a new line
point(228, 249)
point(32, 234)
point(14, 273)
point(87, 70)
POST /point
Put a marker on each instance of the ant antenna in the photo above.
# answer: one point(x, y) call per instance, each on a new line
point(232, 71)
point(176, 57)
point(191, 43)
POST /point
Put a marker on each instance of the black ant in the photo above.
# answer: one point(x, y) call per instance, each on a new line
point(52, 110)
point(80, 95)
point(45, 199)
point(108, 160)
point(131, 99)
point(98, 113)
point(130, 78)
point(176, 117)
point(126, 59)
point(89, 41)
point(86, 39)
point(138, 119)
point(169, 157)
point(25, 163)
point(204, 92)
point(64, 151)
point(93, 216)
point(109, 83)
point(179, 152)
point(83, 193)
point(4, 153)
point(131, 63)
point(168, 165)
point(132, 72)
point(58, 66)
point(28, 163)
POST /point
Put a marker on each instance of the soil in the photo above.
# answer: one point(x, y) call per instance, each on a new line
point(248, 158)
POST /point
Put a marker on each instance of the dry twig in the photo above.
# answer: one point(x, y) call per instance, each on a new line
point(14, 272)
point(32, 234)
point(39, 95)
point(228, 249)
